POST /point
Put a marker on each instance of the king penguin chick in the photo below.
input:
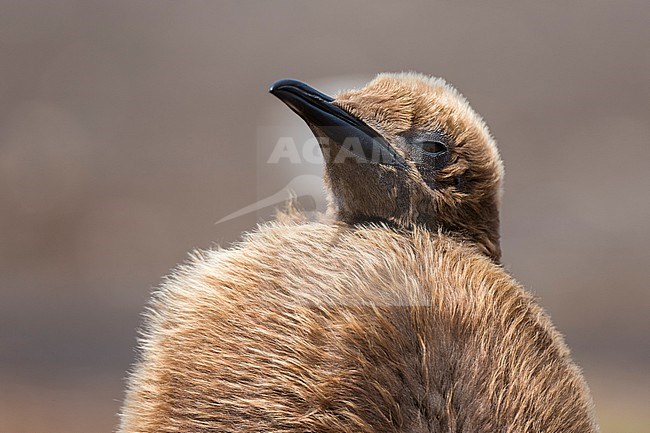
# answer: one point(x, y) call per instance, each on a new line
point(391, 314)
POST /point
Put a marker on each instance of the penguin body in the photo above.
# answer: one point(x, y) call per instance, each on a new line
point(378, 317)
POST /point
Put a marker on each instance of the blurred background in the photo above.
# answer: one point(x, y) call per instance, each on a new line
point(128, 128)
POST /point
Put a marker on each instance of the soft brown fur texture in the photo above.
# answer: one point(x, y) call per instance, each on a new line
point(345, 325)
point(461, 198)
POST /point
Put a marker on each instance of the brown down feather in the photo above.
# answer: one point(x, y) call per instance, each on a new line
point(345, 325)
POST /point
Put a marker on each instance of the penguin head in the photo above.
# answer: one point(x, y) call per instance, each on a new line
point(407, 150)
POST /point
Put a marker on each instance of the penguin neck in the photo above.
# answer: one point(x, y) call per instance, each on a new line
point(480, 229)
point(484, 237)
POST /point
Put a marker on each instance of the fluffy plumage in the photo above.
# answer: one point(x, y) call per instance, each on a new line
point(461, 197)
point(347, 325)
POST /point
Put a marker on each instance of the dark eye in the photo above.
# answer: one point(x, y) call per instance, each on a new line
point(434, 147)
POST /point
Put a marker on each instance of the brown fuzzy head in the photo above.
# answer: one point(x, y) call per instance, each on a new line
point(408, 150)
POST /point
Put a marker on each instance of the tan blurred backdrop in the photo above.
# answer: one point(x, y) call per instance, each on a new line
point(128, 128)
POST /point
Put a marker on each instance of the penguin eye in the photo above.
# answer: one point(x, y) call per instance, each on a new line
point(430, 149)
point(435, 148)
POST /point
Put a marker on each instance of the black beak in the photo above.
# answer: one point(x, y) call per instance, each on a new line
point(328, 120)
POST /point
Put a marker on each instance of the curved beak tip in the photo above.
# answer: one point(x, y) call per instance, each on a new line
point(279, 83)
